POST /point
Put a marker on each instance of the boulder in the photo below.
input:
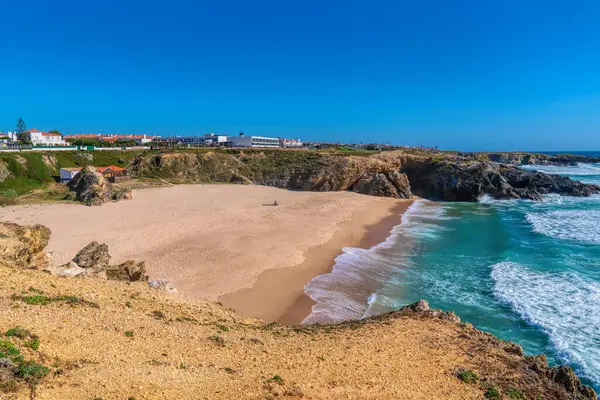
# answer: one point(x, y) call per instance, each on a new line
point(24, 245)
point(90, 187)
point(128, 271)
point(69, 270)
point(93, 256)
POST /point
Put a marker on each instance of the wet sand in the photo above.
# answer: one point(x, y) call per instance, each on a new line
point(267, 300)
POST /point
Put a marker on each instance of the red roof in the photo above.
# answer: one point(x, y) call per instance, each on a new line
point(114, 168)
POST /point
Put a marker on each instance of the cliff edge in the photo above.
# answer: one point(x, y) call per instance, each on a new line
point(89, 338)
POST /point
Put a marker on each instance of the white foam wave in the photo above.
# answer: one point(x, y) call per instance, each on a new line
point(564, 305)
point(581, 169)
point(347, 292)
point(581, 225)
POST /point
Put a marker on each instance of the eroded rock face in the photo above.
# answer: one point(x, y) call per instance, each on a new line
point(24, 245)
point(128, 271)
point(4, 171)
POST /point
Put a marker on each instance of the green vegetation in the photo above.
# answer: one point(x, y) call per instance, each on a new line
point(276, 378)
point(158, 314)
point(514, 393)
point(34, 170)
point(492, 393)
point(43, 300)
point(223, 328)
point(467, 376)
point(15, 369)
point(129, 333)
point(218, 340)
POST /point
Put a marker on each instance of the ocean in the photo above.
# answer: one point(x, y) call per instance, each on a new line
point(528, 272)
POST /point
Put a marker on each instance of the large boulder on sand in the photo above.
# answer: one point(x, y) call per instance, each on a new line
point(24, 245)
point(90, 187)
point(94, 255)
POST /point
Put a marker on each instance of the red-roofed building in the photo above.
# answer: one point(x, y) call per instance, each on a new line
point(112, 173)
point(45, 138)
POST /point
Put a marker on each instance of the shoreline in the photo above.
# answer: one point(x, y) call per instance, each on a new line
point(278, 294)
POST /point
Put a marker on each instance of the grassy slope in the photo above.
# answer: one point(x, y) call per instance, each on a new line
point(34, 170)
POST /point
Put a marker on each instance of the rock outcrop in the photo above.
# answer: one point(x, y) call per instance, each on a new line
point(468, 181)
point(288, 170)
point(24, 245)
point(92, 189)
point(93, 261)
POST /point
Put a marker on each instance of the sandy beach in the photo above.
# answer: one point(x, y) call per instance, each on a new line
point(221, 241)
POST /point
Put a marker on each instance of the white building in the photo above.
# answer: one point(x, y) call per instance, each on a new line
point(46, 138)
point(66, 174)
point(291, 143)
point(252, 141)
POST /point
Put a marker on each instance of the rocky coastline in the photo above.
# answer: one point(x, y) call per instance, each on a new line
point(437, 175)
point(149, 334)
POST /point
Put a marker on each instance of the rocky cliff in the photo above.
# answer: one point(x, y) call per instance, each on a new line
point(391, 174)
point(469, 180)
point(291, 170)
point(65, 338)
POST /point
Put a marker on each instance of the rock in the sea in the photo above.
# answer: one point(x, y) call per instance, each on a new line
point(24, 245)
point(94, 255)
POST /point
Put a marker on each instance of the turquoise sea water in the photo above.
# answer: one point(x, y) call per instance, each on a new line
point(525, 271)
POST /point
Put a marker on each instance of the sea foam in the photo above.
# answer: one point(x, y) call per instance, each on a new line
point(563, 305)
point(350, 289)
point(581, 225)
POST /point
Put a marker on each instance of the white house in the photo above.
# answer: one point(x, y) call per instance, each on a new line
point(66, 174)
point(46, 138)
point(252, 141)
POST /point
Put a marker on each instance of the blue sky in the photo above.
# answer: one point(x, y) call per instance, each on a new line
point(470, 75)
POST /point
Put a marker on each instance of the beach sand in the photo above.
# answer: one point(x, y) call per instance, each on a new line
point(221, 241)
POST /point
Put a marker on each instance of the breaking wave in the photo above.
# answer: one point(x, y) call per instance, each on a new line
point(580, 225)
point(563, 305)
point(347, 292)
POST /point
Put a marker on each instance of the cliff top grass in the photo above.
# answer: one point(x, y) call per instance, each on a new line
point(145, 344)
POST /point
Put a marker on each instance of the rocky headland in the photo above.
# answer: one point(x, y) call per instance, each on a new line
point(435, 175)
point(87, 337)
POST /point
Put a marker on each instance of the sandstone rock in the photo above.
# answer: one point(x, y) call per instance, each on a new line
point(128, 271)
point(91, 188)
point(69, 270)
point(24, 245)
point(94, 255)
point(4, 171)
point(419, 306)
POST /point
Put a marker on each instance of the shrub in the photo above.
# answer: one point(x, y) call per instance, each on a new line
point(129, 333)
point(276, 378)
point(514, 393)
point(43, 300)
point(158, 314)
point(492, 393)
point(31, 370)
point(467, 376)
point(223, 328)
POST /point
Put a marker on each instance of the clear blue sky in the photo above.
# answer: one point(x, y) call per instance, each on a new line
point(471, 75)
